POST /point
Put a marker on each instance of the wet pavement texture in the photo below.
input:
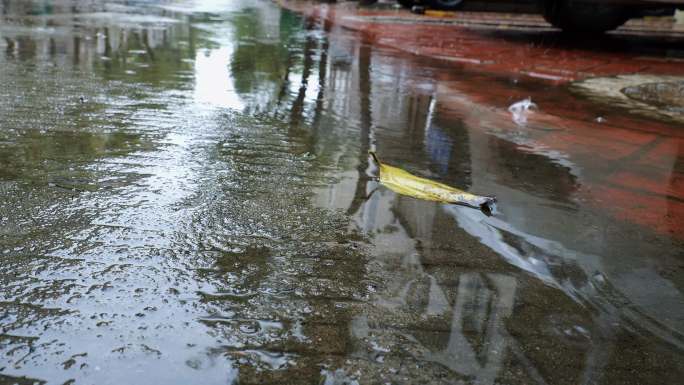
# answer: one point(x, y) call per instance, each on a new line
point(186, 197)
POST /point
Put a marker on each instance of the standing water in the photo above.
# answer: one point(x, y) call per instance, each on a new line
point(186, 197)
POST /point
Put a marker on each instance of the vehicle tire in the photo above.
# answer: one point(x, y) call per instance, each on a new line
point(445, 4)
point(579, 17)
point(407, 3)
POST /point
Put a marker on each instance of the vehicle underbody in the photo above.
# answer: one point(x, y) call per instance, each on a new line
point(573, 16)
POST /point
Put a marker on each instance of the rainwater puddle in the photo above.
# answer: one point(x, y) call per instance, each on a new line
point(186, 196)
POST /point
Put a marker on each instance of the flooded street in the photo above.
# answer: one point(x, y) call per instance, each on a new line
point(187, 197)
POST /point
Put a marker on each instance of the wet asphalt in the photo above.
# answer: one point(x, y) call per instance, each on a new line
point(186, 197)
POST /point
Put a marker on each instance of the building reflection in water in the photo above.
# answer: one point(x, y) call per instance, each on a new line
point(458, 142)
point(488, 299)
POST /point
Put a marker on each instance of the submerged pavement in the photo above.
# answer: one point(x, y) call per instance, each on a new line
point(186, 197)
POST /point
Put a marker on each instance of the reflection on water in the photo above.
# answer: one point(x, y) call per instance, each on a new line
point(210, 87)
point(186, 195)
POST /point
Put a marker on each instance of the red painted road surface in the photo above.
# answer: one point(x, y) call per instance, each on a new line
point(632, 165)
point(505, 44)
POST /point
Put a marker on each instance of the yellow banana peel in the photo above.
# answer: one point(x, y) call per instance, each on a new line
point(405, 183)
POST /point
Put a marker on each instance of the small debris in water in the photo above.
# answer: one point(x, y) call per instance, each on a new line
point(523, 105)
point(519, 110)
point(408, 184)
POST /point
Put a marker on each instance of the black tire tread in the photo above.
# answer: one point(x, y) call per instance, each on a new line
point(580, 17)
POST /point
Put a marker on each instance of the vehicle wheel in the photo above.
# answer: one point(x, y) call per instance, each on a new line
point(444, 4)
point(579, 17)
point(407, 3)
